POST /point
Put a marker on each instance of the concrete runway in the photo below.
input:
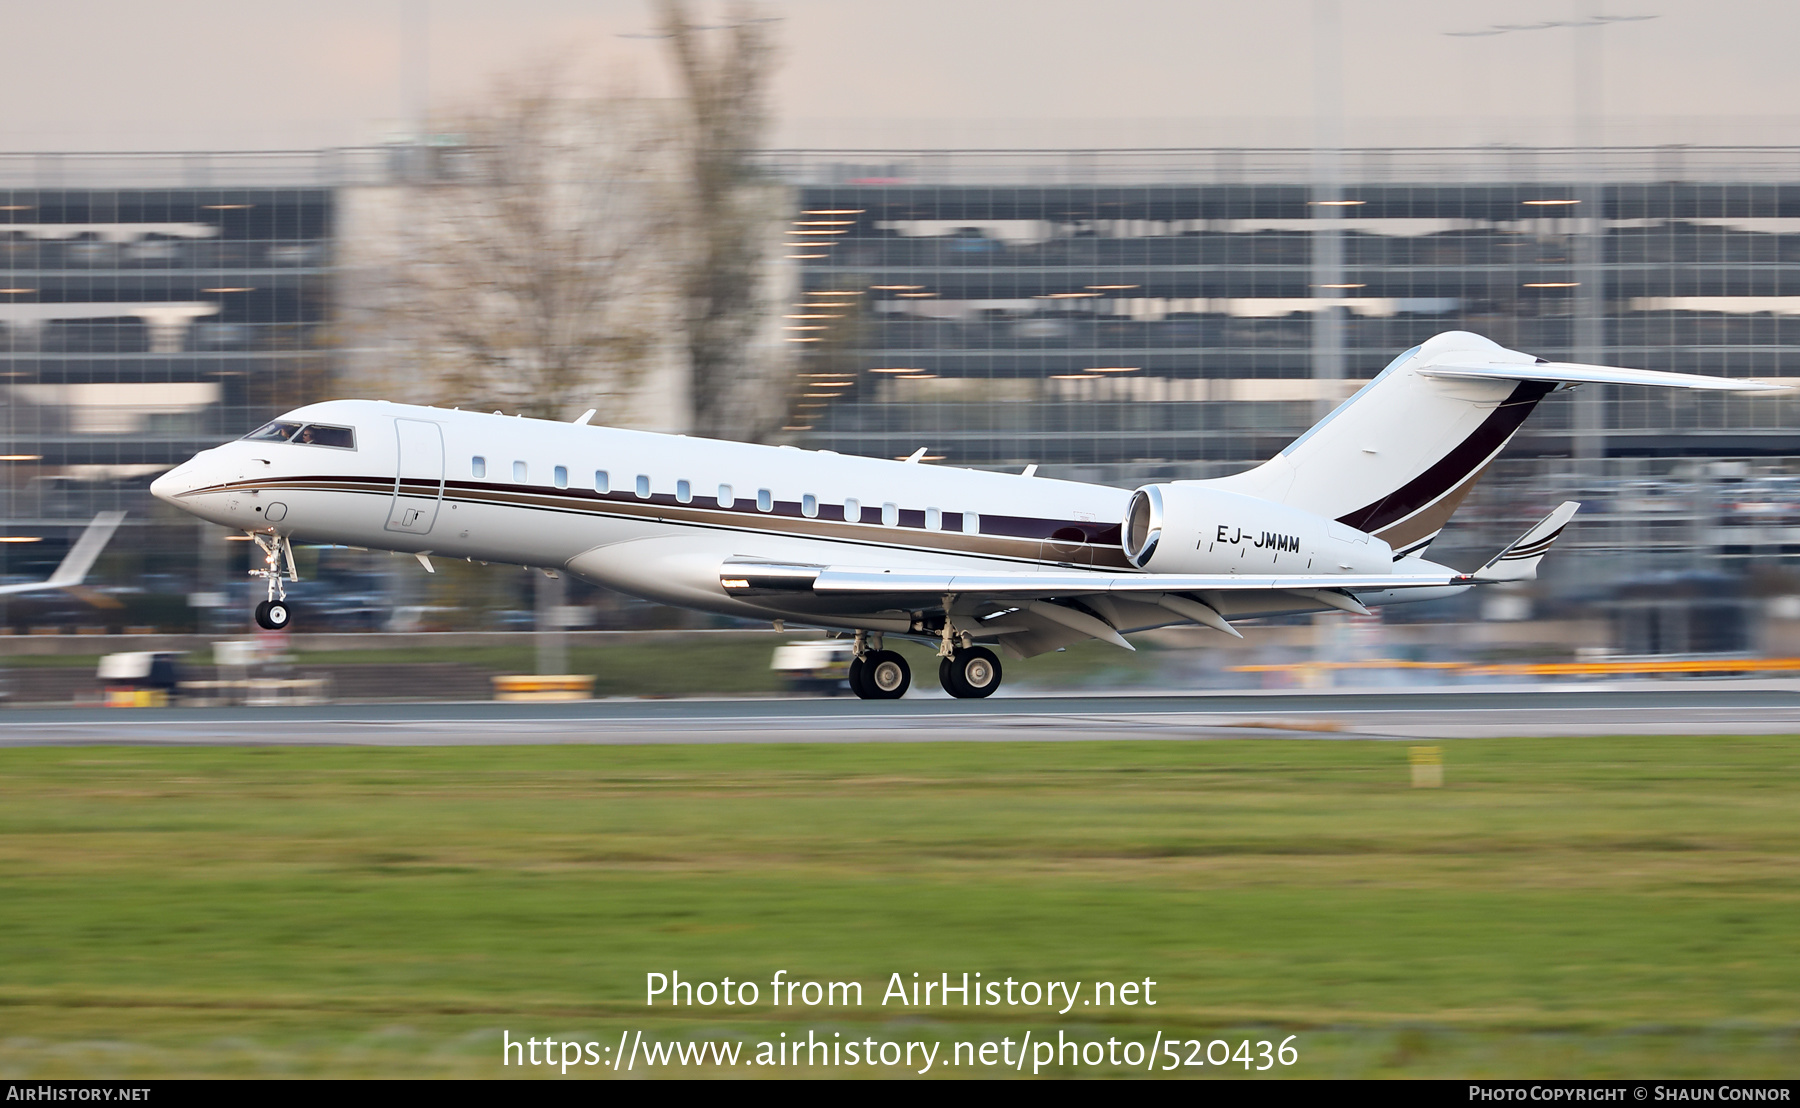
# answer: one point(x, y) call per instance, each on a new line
point(1734, 707)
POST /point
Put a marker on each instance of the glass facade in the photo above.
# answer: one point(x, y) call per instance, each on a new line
point(1114, 316)
point(1122, 316)
point(138, 326)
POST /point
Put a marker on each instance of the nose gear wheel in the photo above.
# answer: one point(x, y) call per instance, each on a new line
point(275, 613)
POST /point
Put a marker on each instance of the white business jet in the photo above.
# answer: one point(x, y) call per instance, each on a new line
point(870, 547)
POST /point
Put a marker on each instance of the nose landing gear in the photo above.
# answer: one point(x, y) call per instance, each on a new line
point(275, 614)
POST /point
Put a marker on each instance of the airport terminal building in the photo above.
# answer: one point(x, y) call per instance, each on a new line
point(1106, 315)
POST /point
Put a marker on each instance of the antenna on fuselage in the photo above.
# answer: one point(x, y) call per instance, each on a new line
point(581, 420)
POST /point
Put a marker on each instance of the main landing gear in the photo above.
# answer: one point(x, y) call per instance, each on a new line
point(275, 613)
point(970, 673)
point(880, 675)
point(966, 671)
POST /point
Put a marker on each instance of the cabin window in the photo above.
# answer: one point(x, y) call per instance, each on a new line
point(971, 523)
point(852, 511)
point(725, 500)
point(643, 486)
point(602, 483)
point(684, 492)
point(765, 501)
point(890, 515)
point(560, 475)
point(809, 506)
point(934, 520)
point(478, 466)
point(519, 472)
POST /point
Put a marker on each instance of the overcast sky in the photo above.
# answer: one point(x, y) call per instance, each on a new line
point(253, 74)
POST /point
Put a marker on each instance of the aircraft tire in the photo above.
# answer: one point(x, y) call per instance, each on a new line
point(886, 675)
point(859, 671)
point(970, 674)
point(274, 615)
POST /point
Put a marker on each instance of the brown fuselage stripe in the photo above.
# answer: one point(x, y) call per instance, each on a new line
point(1015, 537)
point(1409, 532)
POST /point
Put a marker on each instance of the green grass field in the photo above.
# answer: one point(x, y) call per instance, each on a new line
point(1625, 907)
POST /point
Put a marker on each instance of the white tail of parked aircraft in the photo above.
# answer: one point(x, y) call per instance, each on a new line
point(868, 547)
point(73, 569)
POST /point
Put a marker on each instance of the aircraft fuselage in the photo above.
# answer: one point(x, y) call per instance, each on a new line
point(655, 515)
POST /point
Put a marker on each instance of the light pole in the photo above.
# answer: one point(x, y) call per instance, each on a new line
point(1327, 203)
point(1588, 245)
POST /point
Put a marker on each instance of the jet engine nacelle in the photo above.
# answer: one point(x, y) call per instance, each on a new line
point(1184, 527)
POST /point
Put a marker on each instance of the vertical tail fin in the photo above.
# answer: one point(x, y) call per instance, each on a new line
point(1398, 457)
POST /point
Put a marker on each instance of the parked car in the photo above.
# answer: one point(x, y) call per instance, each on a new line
point(815, 665)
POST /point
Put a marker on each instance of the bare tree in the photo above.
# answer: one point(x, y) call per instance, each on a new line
point(527, 266)
point(525, 257)
point(724, 72)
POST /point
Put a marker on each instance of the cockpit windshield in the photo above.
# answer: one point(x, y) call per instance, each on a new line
point(304, 434)
point(278, 431)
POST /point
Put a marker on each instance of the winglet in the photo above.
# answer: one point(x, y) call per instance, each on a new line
point(1519, 561)
point(79, 559)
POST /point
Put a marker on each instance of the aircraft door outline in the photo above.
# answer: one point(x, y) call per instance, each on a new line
point(419, 466)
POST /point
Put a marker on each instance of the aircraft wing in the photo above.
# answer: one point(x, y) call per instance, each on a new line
point(79, 559)
point(746, 578)
point(1041, 610)
point(1076, 583)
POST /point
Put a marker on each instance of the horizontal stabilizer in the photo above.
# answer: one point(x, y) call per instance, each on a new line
point(1519, 561)
point(79, 559)
point(1575, 373)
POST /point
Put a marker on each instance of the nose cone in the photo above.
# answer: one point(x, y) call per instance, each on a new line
point(183, 478)
point(169, 485)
